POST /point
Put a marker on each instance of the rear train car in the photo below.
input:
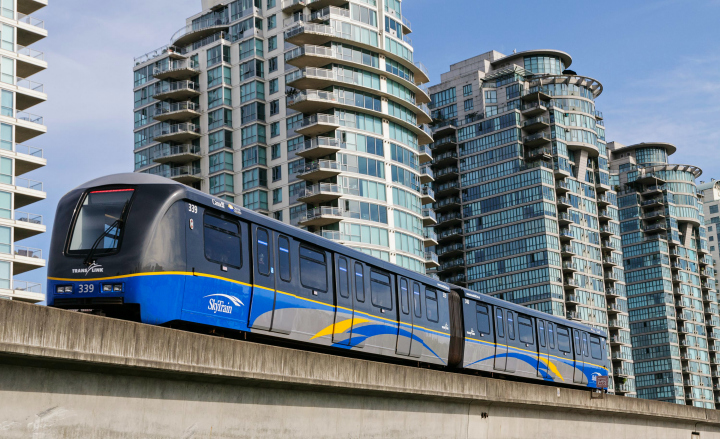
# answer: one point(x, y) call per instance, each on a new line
point(145, 248)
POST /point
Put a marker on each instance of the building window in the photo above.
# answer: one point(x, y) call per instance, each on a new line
point(278, 215)
point(491, 110)
point(709, 228)
point(715, 220)
point(491, 96)
point(254, 178)
point(295, 144)
point(274, 107)
point(255, 155)
point(7, 72)
point(255, 200)
point(277, 195)
point(272, 22)
point(712, 238)
point(275, 151)
point(218, 118)
point(712, 248)
point(6, 101)
point(468, 104)
point(221, 162)
point(219, 75)
point(274, 129)
point(467, 90)
point(6, 166)
point(219, 96)
point(221, 183)
point(276, 173)
point(273, 87)
point(272, 43)
point(296, 167)
point(272, 64)
point(270, 4)
point(714, 208)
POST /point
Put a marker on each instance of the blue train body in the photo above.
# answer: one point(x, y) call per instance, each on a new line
point(182, 256)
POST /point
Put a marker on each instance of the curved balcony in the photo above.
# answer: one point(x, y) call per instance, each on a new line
point(424, 154)
point(177, 69)
point(312, 101)
point(28, 126)
point(320, 193)
point(453, 265)
point(29, 61)
point(309, 78)
point(427, 195)
point(318, 4)
point(28, 94)
point(450, 235)
point(320, 170)
point(319, 34)
point(534, 96)
point(29, 29)
point(537, 123)
point(200, 29)
point(309, 55)
point(429, 217)
point(426, 175)
point(447, 173)
point(179, 154)
point(178, 111)
point(178, 132)
point(448, 188)
point(431, 238)
point(26, 259)
point(178, 90)
point(447, 204)
point(534, 108)
point(321, 216)
point(28, 158)
point(537, 139)
point(317, 147)
point(449, 219)
point(431, 260)
point(182, 174)
point(317, 124)
point(451, 250)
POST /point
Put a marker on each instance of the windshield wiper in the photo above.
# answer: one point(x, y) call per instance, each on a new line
point(115, 225)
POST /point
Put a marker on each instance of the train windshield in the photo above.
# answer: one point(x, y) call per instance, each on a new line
point(99, 222)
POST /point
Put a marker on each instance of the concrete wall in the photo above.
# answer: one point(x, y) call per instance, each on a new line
point(66, 375)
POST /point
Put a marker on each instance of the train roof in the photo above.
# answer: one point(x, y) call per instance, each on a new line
point(464, 292)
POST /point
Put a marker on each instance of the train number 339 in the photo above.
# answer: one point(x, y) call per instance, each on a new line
point(87, 288)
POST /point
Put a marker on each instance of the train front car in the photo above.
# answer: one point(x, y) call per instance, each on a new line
point(505, 338)
point(117, 248)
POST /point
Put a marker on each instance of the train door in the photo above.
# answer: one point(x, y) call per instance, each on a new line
point(578, 375)
point(263, 290)
point(501, 348)
point(344, 310)
point(417, 316)
point(587, 368)
point(361, 308)
point(543, 369)
point(405, 322)
point(216, 255)
point(512, 341)
point(283, 319)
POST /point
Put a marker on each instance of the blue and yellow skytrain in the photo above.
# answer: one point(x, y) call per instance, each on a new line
point(141, 247)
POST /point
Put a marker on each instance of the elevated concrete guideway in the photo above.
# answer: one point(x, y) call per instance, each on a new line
point(68, 375)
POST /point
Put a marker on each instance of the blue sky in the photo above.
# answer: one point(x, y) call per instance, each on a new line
point(659, 63)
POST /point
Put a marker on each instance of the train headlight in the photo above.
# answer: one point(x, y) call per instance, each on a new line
point(68, 288)
point(117, 288)
point(60, 289)
point(107, 288)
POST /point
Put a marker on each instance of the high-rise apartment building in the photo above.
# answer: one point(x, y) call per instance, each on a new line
point(674, 320)
point(710, 192)
point(18, 62)
point(306, 110)
point(524, 204)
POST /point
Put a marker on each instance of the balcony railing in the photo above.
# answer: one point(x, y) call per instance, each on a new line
point(309, 49)
point(176, 86)
point(28, 184)
point(30, 85)
point(321, 165)
point(32, 21)
point(320, 188)
point(431, 257)
point(28, 150)
point(199, 25)
point(177, 65)
point(29, 117)
point(27, 252)
point(312, 95)
point(30, 287)
point(30, 218)
point(429, 213)
point(168, 151)
point(32, 53)
point(166, 107)
point(318, 118)
point(322, 211)
point(427, 191)
point(429, 234)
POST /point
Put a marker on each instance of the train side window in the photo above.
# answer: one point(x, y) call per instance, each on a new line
point(222, 241)
point(500, 328)
point(380, 290)
point(586, 351)
point(578, 348)
point(551, 335)
point(263, 252)
point(541, 333)
point(511, 325)
point(343, 278)
point(563, 340)
point(417, 303)
point(525, 330)
point(313, 269)
point(431, 305)
point(359, 283)
point(284, 258)
point(404, 299)
point(483, 319)
point(595, 348)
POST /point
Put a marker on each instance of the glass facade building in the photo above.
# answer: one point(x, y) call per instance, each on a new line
point(19, 61)
point(524, 208)
point(310, 111)
point(670, 275)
